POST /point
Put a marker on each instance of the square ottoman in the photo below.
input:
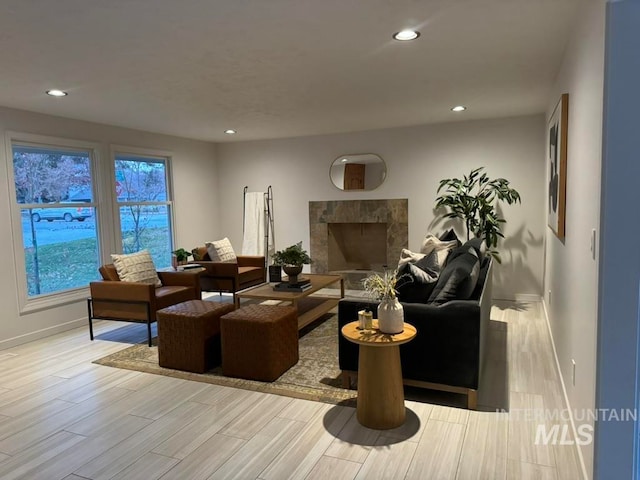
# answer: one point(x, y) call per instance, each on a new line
point(259, 342)
point(189, 335)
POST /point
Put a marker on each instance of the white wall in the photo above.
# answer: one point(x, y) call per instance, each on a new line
point(194, 175)
point(571, 272)
point(417, 158)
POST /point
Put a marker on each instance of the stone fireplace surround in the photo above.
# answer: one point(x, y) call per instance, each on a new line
point(392, 212)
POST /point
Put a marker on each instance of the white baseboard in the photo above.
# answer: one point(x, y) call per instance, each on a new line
point(45, 332)
point(517, 297)
point(564, 391)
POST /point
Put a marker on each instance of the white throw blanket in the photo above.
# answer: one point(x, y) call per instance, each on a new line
point(254, 224)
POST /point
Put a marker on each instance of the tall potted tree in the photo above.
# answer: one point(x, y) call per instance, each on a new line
point(473, 199)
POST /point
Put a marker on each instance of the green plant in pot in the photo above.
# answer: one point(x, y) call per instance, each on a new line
point(474, 199)
point(292, 259)
point(182, 255)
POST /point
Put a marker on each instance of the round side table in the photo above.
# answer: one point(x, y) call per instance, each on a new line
point(380, 391)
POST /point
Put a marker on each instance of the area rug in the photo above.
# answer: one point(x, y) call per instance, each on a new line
point(316, 376)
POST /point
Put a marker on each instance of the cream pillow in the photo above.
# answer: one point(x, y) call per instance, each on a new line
point(432, 243)
point(136, 267)
point(407, 256)
point(221, 251)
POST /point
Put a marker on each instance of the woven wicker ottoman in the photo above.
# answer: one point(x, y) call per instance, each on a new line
point(189, 335)
point(259, 342)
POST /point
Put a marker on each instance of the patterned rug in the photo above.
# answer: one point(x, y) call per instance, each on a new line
point(316, 376)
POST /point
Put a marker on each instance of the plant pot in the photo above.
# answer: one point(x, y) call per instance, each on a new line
point(292, 272)
point(390, 316)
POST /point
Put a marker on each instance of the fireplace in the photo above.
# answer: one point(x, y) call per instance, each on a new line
point(357, 246)
point(354, 237)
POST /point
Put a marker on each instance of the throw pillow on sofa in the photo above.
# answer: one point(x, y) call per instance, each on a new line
point(424, 268)
point(407, 256)
point(450, 235)
point(417, 274)
point(136, 267)
point(479, 246)
point(432, 243)
point(459, 276)
point(221, 251)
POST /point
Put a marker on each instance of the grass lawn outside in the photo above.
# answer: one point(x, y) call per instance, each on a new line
point(73, 264)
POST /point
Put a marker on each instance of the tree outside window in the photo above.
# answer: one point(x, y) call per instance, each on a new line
point(53, 185)
point(142, 192)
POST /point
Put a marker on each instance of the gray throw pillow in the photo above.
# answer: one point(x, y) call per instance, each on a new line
point(479, 246)
point(418, 275)
point(459, 277)
point(427, 269)
point(449, 235)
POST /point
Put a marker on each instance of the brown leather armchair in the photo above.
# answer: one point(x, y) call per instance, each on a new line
point(112, 299)
point(229, 277)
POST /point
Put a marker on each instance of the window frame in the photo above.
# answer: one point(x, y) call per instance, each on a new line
point(26, 303)
point(142, 154)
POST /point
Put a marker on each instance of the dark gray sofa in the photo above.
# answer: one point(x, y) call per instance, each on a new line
point(449, 349)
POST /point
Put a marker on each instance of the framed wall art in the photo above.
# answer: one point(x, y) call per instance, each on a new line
point(557, 165)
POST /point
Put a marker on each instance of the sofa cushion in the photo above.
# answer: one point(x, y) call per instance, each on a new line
point(136, 267)
point(167, 296)
point(410, 291)
point(249, 274)
point(221, 251)
point(458, 278)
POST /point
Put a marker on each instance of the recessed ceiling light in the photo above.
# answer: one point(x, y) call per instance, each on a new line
point(230, 131)
point(459, 108)
point(406, 35)
point(56, 93)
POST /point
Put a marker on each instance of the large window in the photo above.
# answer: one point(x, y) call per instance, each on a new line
point(54, 194)
point(144, 204)
point(63, 231)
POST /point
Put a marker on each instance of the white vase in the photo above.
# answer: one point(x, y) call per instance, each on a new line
point(390, 316)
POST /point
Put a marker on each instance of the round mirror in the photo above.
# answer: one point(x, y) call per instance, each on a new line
point(358, 171)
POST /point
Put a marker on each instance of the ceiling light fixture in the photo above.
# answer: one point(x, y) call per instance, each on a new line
point(56, 93)
point(459, 108)
point(406, 35)
point(230, 131)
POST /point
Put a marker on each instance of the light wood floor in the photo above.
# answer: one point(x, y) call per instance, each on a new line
point(62, 417)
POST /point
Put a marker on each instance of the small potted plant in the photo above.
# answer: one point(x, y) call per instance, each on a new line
point(181, 256)
point(291, 259)
point(390, 311)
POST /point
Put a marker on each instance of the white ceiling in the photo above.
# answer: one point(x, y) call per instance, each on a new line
point(280, 68)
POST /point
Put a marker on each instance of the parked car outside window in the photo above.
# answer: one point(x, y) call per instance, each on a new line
point(67, 211)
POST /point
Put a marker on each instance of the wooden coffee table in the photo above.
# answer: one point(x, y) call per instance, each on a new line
point(380, 390)
point(310, 307)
